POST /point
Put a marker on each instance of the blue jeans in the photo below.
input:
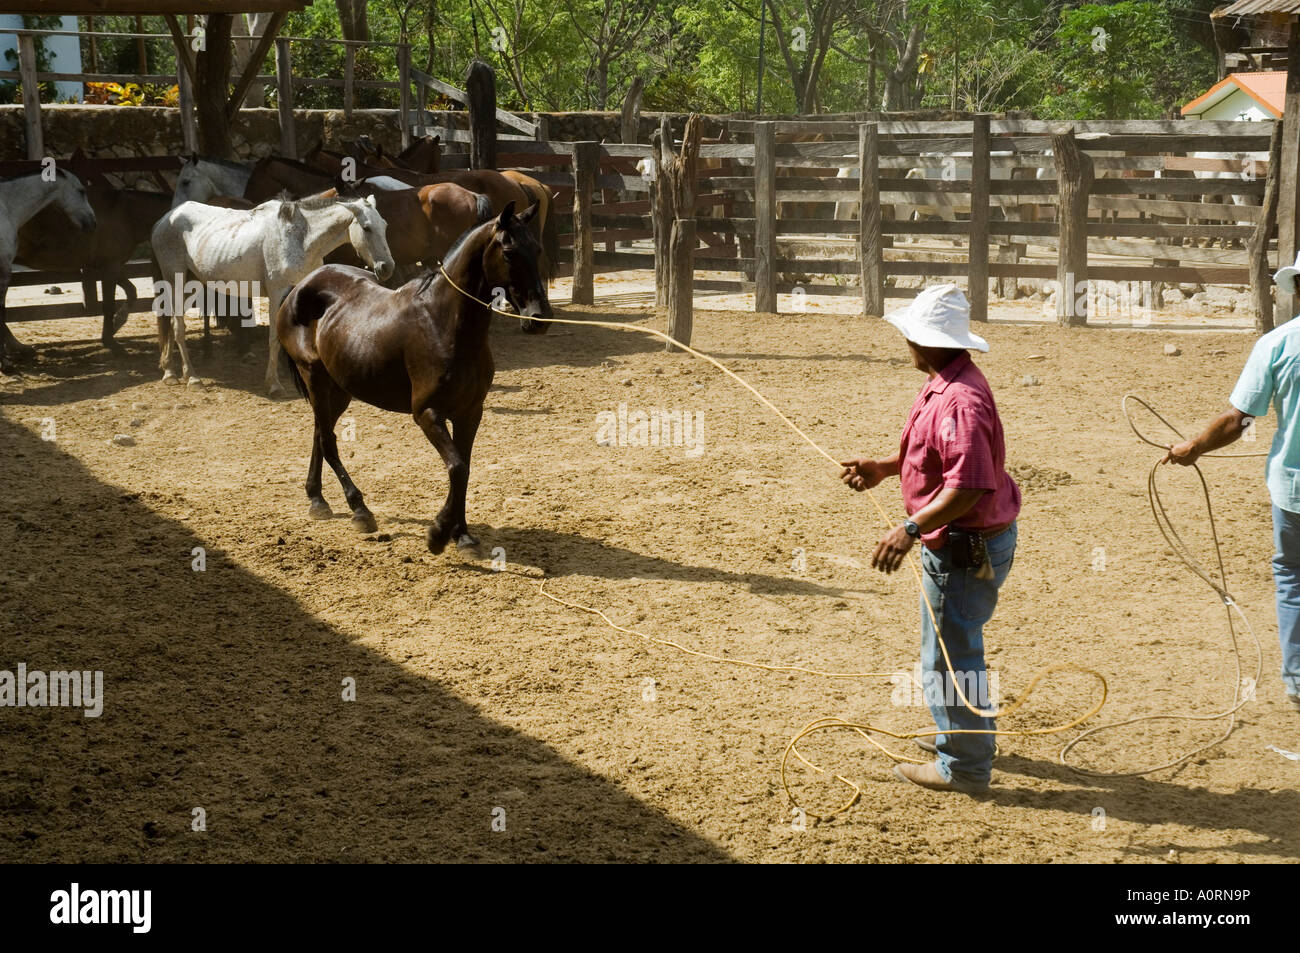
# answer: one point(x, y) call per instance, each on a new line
point(962, 603)
point(1286, 575)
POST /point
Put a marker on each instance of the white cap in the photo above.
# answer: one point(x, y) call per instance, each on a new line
point(1286, 276)
point(938, 317)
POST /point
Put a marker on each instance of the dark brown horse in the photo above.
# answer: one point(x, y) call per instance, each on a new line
point(420, 350)
point(124, 220)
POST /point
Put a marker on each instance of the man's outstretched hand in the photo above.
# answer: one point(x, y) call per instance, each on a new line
point(863, 474)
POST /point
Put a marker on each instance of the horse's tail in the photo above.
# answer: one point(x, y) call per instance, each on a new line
point(294, 374)
point(482, 208)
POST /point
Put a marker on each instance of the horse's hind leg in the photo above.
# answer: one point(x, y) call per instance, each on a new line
point(108, 299)
point(453, 510)
point(320, 510)
point(328, 403)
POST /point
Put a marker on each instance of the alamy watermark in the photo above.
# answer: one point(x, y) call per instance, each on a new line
point(219, 299)
point(917, 688)
point(37, 689)
point(655, 427)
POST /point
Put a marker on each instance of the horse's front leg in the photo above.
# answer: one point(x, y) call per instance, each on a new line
point(273, 388)
point(6, 367)
point(463, 431)
point(435, 428)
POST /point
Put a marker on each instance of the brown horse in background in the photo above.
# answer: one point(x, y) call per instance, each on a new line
point(421, 350)
point(124, 220)
point(273, 174)
point(423, 224)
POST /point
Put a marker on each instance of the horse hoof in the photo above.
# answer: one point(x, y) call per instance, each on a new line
point(437, 539)
point(466, 541)
point(320, 511)
point(275, 393)
point(364, 522)
point(194, 382)
point(170, 378)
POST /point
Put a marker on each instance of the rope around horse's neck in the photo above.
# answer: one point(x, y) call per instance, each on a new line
point(867, 730)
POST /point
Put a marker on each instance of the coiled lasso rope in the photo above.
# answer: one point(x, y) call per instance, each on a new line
point(864, 730)
point(1184, 553)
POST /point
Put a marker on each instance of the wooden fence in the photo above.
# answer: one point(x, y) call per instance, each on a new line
point(1146, 203)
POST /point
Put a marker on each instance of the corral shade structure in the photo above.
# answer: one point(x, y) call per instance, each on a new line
point(1255, 8)
point(98, 8)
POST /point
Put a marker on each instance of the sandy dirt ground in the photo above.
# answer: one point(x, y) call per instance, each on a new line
point(481, 705)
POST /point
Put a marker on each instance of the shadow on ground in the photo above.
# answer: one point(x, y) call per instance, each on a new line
point(223, 694)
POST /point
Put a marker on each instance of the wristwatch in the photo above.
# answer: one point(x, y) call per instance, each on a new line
point(911, 529)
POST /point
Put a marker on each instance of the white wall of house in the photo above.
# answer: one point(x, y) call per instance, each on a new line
point(1235, 106)
point(65, 52)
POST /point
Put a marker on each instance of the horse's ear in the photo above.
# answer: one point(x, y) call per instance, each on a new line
point(507, 213)
point(530, 213)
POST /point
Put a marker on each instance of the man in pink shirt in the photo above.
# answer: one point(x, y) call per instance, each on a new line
point(962, 506)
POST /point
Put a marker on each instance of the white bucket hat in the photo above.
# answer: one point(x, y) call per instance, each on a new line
point(1286, 276)
point(938, 317)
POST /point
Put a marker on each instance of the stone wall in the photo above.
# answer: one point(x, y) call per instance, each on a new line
point(155, 130)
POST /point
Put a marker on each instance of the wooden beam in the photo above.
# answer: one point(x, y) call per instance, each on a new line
point(31, 97)
point(284, 97)
point(1261, 279)
point(765, 218)
point(1074, 178)
point(184, 55)
point(870, 238)
point(977, 291)
point(586, 157)
point(1288, 228)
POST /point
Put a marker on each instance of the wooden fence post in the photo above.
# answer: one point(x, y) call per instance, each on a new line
point(349, 74)
point(680, 173)
point(481, 85)
point(31, 96)
point(284, 97)
point(1289, 175)
point(1010, 251)
point(404, 96)
point(977, 253)
point(586, 159)
point(1074, 181)
point(1261, 279)
point(870, 248)
point(185, 100)
point(421, 100)
point(764, 218)
point(661, 208)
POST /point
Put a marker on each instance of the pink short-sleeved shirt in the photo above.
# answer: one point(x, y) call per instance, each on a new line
point(953, 438)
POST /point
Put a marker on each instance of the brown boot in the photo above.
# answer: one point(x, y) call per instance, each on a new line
point(928, 776)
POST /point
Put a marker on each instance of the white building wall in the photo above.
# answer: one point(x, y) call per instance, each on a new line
point(65, 53)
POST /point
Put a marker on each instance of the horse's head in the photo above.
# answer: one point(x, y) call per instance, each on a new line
point(193, 184)
point(510, 262)
point(369, 235)
point(70, 196)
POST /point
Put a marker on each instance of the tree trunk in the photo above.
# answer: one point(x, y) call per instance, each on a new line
point(211, 82)
point(352, 19)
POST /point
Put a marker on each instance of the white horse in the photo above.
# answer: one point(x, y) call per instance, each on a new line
point(20, 199)
point(202, 178)
point(269, 248)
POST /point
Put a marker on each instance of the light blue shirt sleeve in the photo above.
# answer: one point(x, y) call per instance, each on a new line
point(1254, 391)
